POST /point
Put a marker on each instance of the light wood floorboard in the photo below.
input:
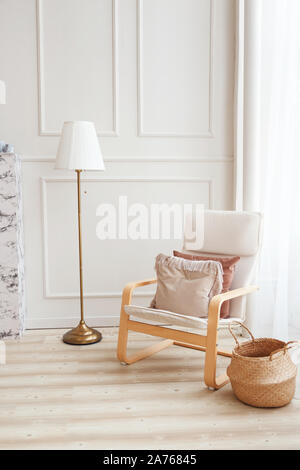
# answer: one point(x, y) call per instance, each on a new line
point(56, 396)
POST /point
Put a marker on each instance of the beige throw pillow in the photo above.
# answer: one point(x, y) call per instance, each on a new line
point(185, 286)
point(228, 265)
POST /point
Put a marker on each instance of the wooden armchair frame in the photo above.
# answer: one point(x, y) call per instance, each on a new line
point(208, 343)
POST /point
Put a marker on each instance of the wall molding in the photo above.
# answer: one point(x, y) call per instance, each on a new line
point(102, 295)
point(140, 130)
point(229, 159)
point(43, 132)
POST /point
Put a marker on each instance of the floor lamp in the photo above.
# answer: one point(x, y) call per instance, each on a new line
point(79, 150)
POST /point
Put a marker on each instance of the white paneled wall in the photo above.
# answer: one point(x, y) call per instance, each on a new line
point(157, 78)
point(77, 64)
point(175, 60)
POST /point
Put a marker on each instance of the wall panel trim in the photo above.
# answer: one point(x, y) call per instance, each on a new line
point(140, 109)
point(43, 132)
point(104, 295)
point(229, 159)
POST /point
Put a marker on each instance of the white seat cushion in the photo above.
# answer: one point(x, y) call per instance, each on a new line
point(170, 318)
point(226, 233)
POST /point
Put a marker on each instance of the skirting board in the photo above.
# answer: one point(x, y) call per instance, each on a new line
point(46, 322)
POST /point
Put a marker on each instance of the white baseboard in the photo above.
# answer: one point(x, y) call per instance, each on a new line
point(48, 322)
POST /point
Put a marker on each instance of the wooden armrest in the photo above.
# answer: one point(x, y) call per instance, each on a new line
point(217, 301)
point(129, 288)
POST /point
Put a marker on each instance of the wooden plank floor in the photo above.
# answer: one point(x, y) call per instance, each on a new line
point(56, 396)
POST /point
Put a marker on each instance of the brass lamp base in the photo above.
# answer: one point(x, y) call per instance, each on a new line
point(81, 335)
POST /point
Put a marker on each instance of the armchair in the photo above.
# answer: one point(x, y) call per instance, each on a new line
point(226, 233)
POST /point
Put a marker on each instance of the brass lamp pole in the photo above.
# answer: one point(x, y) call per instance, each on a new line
point(82, 334)
point(79, 148)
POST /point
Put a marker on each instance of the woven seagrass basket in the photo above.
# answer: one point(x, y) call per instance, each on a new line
point(261, 372)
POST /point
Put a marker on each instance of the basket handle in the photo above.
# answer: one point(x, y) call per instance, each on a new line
point(244, 326)
point(284, 349)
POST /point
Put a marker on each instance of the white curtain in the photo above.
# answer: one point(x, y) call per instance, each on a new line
point(271, 158)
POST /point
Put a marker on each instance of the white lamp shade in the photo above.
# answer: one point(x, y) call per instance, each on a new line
point(2, 92)
point(79, 147)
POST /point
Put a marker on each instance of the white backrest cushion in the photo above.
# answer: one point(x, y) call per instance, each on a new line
point(228, 233)
point(231, 232)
